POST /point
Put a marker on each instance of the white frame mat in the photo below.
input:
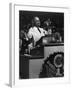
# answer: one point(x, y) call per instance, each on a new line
point(14, 46)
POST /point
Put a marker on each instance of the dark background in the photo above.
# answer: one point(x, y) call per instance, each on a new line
point(25, 17)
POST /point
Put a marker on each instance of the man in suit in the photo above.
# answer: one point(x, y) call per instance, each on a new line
point(36, 32)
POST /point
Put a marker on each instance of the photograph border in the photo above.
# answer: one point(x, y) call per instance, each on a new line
point(13, 72)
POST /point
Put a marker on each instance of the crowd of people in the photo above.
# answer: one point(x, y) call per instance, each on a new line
point(32, 36)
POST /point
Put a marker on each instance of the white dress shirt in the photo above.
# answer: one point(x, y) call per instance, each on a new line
point(34, 32)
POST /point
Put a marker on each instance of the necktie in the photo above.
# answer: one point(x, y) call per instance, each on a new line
point(39, 30)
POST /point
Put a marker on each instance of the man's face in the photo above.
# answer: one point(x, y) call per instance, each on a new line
point(37, 21)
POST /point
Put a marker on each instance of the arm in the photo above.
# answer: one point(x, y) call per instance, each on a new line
point(30, 36)
point(45, 32)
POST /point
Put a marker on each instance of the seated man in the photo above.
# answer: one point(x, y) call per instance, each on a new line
point(47, 26)
point(35, 32)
